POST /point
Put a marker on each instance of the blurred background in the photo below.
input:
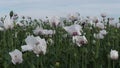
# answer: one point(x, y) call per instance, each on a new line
point(42, 8)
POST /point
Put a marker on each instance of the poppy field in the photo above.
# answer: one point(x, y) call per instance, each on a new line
point(73, 41)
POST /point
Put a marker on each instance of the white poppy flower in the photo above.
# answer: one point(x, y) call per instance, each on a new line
point(103, 32)
point(47, 32)
point(95, 19)
point(62, 19)
point(20, 24)
point(8, 24)
point(98, 36)
point(38, 30)
point(40, 47)
point(79, 40)
point(35, 44)
point(45, 20)
point(113, 23)
point(30, 41)
point(54, 21)
point(100, 25)
point(89, 21)
point(114, 55)
point(74, 16)
point(73, 29)
point(16, 56)
point(103, 15)
point(41, 31)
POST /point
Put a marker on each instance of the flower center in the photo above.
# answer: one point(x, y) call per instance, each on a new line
point(15, 56)
point(81, 42)
point(37, 43)
point(75, 33)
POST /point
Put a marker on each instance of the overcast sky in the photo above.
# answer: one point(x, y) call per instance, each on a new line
point(42, 8)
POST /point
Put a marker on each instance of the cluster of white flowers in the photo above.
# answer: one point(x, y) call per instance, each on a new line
point(35, 44)
point(39, 45)
point(41, 31)
point(114, 23)
point(76, 31)
point(101, 34)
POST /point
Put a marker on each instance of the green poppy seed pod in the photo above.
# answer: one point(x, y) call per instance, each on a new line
point(57, 64)
point(11, 14)
point(119, 19)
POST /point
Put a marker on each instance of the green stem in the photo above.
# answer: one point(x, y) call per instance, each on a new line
point(109, 64)
point(113, 64)
point(97, 48)
point(82, 59)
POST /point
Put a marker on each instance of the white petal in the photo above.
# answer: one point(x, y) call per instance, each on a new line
point(26, 48)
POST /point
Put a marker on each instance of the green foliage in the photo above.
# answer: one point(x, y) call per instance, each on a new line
point(63, 53)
